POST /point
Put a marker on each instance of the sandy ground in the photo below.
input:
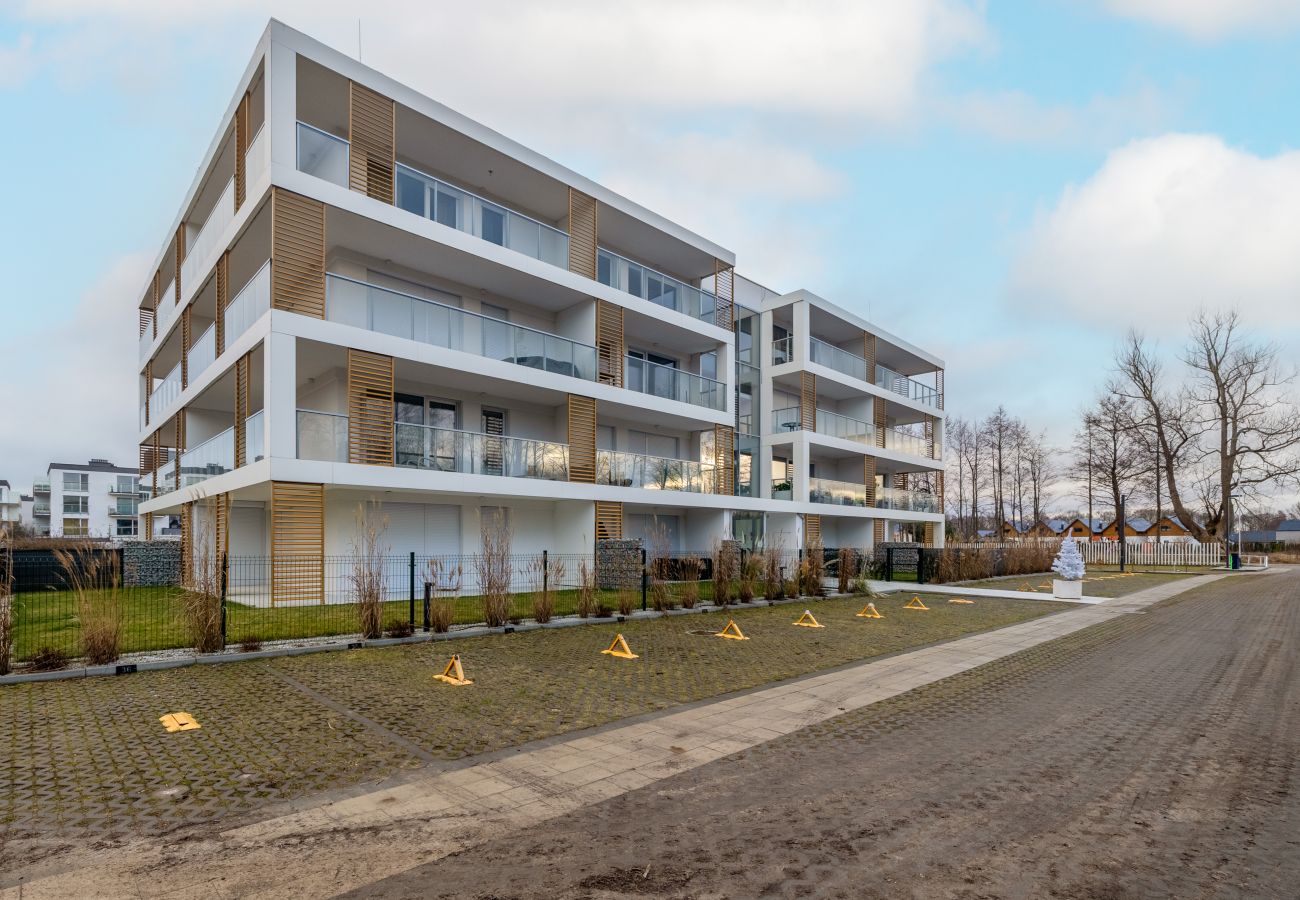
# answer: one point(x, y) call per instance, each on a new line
point(1152, 756)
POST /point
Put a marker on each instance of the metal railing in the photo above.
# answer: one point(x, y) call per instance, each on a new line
point(465, 211)
point(641, 281)
point(646, 377)
point(906, 387)
point(364, 305)
point(658, 473)
point(839, 493)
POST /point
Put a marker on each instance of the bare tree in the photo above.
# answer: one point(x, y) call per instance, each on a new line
point(1252, 430)
point(1117, 460)
point(1041, 472)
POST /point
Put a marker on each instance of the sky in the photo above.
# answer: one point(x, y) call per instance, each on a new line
point(1012, 185)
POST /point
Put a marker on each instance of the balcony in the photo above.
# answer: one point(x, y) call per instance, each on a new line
point(40, 509)
point(213, 457)
point(203, 353)
point(782, 489)
point(838, 493)
point(910, 501)
point(253, 299)
point(165, 393)
point(364, 305)
point(828, 423)
point(657, 380)
point(640, 281)
point(322, 154)
point(782, 350)
point(855, 366)
point(841, 361)
point(41, 487)
point(905, 442)
point(124, 507)
point(654, 473)
point(205, 242)
point(125, 489)
point(906, 387)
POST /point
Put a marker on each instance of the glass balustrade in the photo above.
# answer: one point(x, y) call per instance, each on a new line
point(322, 436)
point(906, 387)
point(205, 242)
point(829, 423)
point(786, 420)
point(657, 380)
point(363, 305)
point(782, 489)
point(215, 456)
point(457, 208)
point(254, 438)
point(782, 350)
point(203, 353)
point(905, 442)
point(839, 493)
point(910, 501)
point(249, 304)
point(322, 154)
point(640, 281)
point(475, 453)
point(258, 156)
point(657, 473)
point(841, 361)
point(165, 393)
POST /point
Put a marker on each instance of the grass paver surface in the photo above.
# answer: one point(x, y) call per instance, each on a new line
point(85, 757)
point(1097, 583)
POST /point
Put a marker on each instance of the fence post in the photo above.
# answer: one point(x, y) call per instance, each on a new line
point(412, 611)
point(889, 563)
point(644, 578)
point(546, 572)
point(225, 579)
point(428, 589)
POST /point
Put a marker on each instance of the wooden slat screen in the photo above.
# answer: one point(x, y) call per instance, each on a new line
point(146, 526)
point(158, 459)
point(900, 481)
point(929, 437)
point(808, 401)
point(297, 542)
point(187, 544)
point(938, 488)
point(582, 439)
point(869, 478)
point(146, 320)
point(878, 531)
point(724, 459)
point(609, 521)
point(241, 150)
point(583, 226)
point(223, 299)
point(370, 408)
point(187, 329)
point(180, 258)
point(297, 254)
point(938, 383)
point(869, 354)
point(929, 534)
point(180, 445)
point(219, 510)
point(372, 124)
point(881, 419)
point(148, 389)
point(242, 366)
point(812, 531)
point(610, 346)
point(157, 290)
point(724, 286)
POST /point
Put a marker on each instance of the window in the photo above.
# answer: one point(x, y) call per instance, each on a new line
point(652, 444)
point(126, 485)
point(126, 528)
point(604, 437)
point(76, 481)
point(76, 506)
point(75, 528)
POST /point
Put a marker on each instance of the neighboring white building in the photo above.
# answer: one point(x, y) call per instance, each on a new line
point(11, 505)
point(367, 295)
point(93, 499)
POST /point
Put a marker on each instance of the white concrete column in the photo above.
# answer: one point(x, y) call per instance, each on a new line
point(280, 395)
point(282, 104)
point(799, 484)
point(801, 332)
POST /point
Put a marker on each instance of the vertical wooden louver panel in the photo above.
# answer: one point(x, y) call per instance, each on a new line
point(180, 258)
point(881, 415)
point(223, 299)
point(370, 408)
point(148, 390)
point(187, 331)
point(938, 383)
point(610, 346)
point(242, 365)
point(187, 544)
point(869, 354)
point(146, 526)
point(158, 460)
point(180, 445)
point(929, 534)
point(583, 227)
point(929, 437)
point(609, 521)
point(900, 481)
point(157, 291)
point(297, 542)
point(219, 510)
point(146, 320)
point(724, 287)
point(938, 488)
point(878, 531)
point(812, 531)
point(869, 478)
point(297, 254)
point(582, 439)
point(372, 132)
point(724, 459)
point(808, 401)
point(241, 151)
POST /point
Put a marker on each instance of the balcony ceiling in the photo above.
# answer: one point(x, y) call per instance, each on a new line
point(834, 330)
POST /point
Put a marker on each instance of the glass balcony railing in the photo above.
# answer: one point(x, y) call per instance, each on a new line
point(125, 507)
point(474, 453)
point(257, 157)
point(911, 501)
point(457, 208)
point(386, 311)
point(655, 473)
point(40, 509)
point(646, 377)
point(639, 281)
point(41, 487)
point(322, 436)
point(841, 361)
point(165, 393)
point(782, 489)
point(205, 242)
point(906, 387)
point(905, 442)
point(322, 154)
point(829, 423)
point(254, 438)
point(782, 350)
point(203, 353)
point(253, 299)
point(839, 493)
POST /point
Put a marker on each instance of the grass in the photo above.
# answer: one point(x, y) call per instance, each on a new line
point(1099, 582)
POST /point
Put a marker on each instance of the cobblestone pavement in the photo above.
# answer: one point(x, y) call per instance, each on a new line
point(88, 760)
point(1150, 755)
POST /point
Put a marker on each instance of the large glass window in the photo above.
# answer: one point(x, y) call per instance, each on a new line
point(76, 481)
point(75, 528)
point(76, 505)
point(126, 527)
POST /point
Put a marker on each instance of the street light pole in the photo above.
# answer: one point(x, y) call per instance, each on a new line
point(1123, 541)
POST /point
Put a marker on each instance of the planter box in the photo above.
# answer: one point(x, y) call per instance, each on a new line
point(1067, 590)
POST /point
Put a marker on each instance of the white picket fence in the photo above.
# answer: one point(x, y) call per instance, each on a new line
point(1139, 553)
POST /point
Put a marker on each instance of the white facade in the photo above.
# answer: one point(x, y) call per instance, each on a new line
point(11, 505)
point(93, 499)
point(469, 285)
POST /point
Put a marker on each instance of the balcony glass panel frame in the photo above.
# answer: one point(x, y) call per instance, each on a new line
point(640, 470)
point(639, 280)
point(645, 377)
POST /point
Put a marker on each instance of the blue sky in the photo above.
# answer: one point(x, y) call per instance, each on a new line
point(1011, 184)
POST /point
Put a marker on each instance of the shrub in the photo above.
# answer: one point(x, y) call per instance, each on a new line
point(657, 571)
point(791, 588)
point(586, 604)
point(95, 583)
point(441, 614)
point(751, 574)
point(250, 644)
point(367, 575)
point(689, 568)
point(492, 566)
point(726, 566)
point(847, 569)
point(6, 604)
point(626, 600)
point(544, 574)
point(48, 659)
point(201, 602)
point(773, 588)
point(399, 628)
point(812, 569)
point(603, 611)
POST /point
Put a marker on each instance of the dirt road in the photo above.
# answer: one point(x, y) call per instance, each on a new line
point(1151, 756)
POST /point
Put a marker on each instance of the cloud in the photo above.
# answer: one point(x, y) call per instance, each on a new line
point(1167, 225)
point(71, 389)
point(1212, 19)
point(17, 63)
point(1018, 117)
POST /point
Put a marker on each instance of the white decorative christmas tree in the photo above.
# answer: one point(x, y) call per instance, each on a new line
point(1069, 561)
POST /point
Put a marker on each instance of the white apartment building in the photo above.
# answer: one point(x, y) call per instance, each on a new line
point(11, 505)
point(92, 499)
point(368, 296)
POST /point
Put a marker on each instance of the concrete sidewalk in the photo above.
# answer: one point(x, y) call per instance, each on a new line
point(320, 848)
